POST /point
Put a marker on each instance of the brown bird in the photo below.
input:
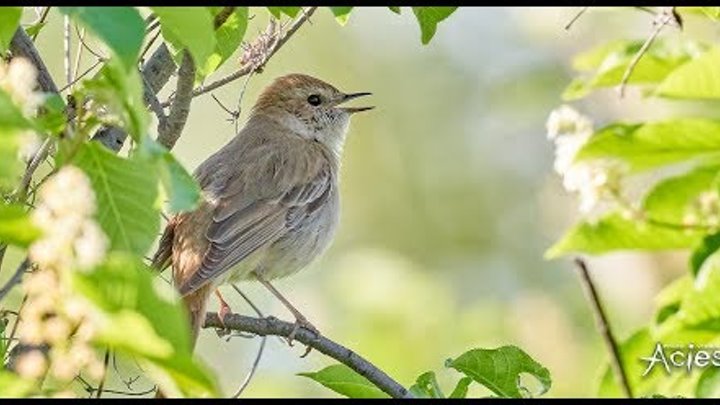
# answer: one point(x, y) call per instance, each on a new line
point(270, 197)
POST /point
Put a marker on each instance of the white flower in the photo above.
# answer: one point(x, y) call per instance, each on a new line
point(19, 80)
point(31, 364)
point(69, 191)
point(90, 246)
point(565, 120)
point(592, 180)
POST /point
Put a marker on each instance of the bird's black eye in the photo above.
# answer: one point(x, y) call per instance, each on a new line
point(314, 99)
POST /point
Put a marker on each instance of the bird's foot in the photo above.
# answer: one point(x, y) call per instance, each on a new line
point(224, 311)
point(302, 322)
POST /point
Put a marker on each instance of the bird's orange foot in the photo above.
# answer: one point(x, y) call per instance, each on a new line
point(225, 309)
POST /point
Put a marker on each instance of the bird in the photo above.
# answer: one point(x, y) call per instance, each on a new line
point(270, 198)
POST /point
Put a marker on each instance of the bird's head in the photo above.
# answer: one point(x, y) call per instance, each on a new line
point(309, 107)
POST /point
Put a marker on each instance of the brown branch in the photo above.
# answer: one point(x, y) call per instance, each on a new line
point(603, 326)
point(222, 16)
point(258, 65)
point(275, 327)
point(169, 133)
point(15, 279)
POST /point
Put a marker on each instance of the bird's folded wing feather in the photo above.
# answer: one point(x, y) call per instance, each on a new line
point(256, 208)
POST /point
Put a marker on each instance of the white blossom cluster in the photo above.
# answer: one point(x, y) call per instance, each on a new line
point(19, 79)
point(71, 240)
point(704, 211)
point(594, 180)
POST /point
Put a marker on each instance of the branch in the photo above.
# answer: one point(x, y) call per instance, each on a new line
point(254, 66)
point(15, 279)
point(273, 326)
point(169, 133)
point(604, 328)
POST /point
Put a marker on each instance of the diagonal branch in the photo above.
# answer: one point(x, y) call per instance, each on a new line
point(169, 133)
point(273, 326)
point(258, 65)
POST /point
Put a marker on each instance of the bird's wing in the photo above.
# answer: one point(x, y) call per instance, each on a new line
point(258, 206)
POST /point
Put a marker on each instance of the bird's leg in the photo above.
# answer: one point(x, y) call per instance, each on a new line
point(300, 320)
point(224, 308)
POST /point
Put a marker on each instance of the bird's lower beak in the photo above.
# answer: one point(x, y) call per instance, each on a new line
point(353, 110)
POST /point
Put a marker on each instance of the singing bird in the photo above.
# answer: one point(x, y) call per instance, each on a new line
point(270, 197)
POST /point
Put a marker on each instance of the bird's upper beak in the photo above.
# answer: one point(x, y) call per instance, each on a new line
point(351, 96)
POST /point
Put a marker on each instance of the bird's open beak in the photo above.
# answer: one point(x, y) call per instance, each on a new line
point(353, 110)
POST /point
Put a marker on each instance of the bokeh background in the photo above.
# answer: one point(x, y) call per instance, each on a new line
point(448, 198)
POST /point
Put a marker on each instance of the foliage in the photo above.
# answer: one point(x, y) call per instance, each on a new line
point(677, 212)
point(134, 313)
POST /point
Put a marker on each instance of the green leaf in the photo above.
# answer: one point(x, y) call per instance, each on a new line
point(426, 386)
point(121, 28)
point(428, 18)
point(670, 199)
point(606, 64)
point(697, 78)
point(654, 144)
point(9, 21)
point(343, 380)
point(179, 186)
point(12, 123)
point(35, 28)
point(144, 318)
point(395, 10)
point(13, 386)
point(126, 191)
point(614, 232)
point(277, 12)
point(227, 40)
point(121, 92)
point(189, 27)
point(52, 118)
point(709, 245)
point(4, 343)
point(342, 14)
point(708, 385)
point(461, 388)
point(712, 12)
point(499, 370)
point(16, 228)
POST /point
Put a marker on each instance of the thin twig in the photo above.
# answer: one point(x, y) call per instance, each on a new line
point(603, 326)
point(40, 155)
point(149, 44)
point(15, 279)
point(222, 16)
point(101, 385)
point(83, 74)
point(42, 19)
point(579, 13)
point(259, 354)
point(252, 67)
point(78, 57)
point(154, 104)
point(273, 326)
point(86, 46)
point(66, 46)
point(665, 17)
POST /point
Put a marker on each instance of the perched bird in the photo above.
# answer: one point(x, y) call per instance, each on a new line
point(270, 197)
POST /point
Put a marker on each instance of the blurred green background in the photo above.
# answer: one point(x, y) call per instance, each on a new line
point(448, 199)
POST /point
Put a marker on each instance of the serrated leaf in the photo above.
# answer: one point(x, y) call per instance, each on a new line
point(697, 78)
point(345, 381)
point(9, 21)
point(144, 318)
point(180, 187)
point(670, 199)
point(606, 64)
point(16, 228)
point(227, 40)
point(188, 27)
point(426, 386)
point(613, 232)
point(35, 29)
point(428, 18)
point(126, 191)
point(13, 386)
point(654, 144)
point(120, 28)
point(277, 12)
point(342, 14)
point(499, 370)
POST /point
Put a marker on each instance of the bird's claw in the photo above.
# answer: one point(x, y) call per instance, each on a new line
point(302, 323)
